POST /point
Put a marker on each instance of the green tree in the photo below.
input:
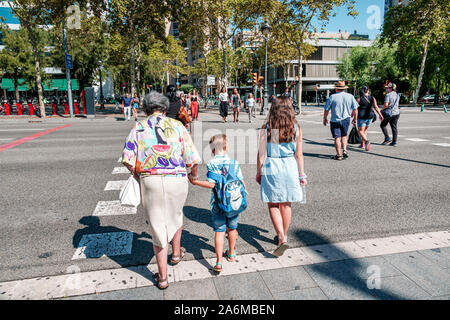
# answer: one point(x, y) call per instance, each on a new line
point(292, 23)
point(16, 60)
point(424, 22)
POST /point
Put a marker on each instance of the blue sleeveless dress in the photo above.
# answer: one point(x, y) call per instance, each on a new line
point(279, 181)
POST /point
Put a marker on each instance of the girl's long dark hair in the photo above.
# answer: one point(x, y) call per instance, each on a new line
point(282, 119)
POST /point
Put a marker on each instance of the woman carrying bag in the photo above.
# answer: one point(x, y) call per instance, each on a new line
point(159, 150)
point(366, 115)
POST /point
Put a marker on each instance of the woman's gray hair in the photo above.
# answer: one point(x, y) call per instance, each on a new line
point(155, 101)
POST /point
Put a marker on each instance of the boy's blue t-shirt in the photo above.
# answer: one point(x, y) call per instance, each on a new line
point(220, 164)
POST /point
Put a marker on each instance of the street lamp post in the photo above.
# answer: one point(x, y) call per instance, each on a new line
point(102, 103)
point(436, 94)
point(266, 29)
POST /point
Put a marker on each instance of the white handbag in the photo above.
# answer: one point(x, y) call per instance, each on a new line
point(130, 195)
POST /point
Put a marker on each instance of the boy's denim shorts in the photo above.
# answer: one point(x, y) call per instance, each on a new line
point(221, 222)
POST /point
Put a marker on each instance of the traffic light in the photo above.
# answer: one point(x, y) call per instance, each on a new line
point(254, 78)
point(260, 79)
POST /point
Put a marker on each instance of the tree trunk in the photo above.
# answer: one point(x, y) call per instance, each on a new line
point(422, 68)
point(16, 87)
point(37, 70)
point(224, 50)
point(300, 79)
point(206, 82)
point(132, 60)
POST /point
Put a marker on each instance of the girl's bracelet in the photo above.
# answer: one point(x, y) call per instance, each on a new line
point(303, 176)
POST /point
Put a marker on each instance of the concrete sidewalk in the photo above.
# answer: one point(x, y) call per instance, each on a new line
point(412, 267)
point(416, 275)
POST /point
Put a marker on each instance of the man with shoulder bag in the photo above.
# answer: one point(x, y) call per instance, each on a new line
point(391, 114)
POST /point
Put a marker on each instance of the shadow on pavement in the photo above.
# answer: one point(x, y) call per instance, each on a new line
point(346, 272)
point(249, 233)
point(141, 254)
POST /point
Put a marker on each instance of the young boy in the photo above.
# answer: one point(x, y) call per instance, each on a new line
point(220, 164)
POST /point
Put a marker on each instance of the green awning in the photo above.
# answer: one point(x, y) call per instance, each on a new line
point(8, 84)
point(49, 85)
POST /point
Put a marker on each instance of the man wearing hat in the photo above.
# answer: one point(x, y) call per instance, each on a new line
point(391, 114)
point(342, 105)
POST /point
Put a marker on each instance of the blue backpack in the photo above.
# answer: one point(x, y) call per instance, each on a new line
point(229, 192)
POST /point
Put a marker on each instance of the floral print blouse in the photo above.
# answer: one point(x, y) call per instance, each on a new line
point(160, 145)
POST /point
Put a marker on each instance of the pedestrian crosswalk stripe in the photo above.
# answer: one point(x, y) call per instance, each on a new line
point(118, 170)
point(112, 208)
point(416, 139)
point(442, 144)
point(115, 185)
point(119, 160)
point(104, 244)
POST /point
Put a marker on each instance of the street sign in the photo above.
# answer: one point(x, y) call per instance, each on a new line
point(211, 80)
point(69, 62)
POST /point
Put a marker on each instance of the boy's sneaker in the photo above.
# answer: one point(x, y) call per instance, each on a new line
point(368, 146)
point(386, 141)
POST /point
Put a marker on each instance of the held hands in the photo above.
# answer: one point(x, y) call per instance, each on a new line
point(192, 179)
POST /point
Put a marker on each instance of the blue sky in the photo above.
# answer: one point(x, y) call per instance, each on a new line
point(364, 23)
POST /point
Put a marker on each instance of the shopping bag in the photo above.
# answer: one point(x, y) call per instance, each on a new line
point(130, 195)
point(354, 137)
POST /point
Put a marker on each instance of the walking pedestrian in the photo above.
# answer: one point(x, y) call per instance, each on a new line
point(219, 168)
point(366, 115)
point(158, 151)
point(391, 114)
point(224, 100)
point(126, 107)
point(280, 167)
point(175, 105)
point(251, 107)
point(194, 105)
point(342, 105)
point(236, 100)
point(135, 106)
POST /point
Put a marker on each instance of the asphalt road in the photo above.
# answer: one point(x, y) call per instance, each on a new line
point(50, 186)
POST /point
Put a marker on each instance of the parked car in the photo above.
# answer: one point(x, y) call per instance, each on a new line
point(427, 98)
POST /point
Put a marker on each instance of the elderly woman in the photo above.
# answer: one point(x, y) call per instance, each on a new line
point(158, 150)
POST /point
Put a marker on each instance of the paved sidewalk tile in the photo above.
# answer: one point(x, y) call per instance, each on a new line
point(287, 279)
point(399, 287)
point(302, 294)
point(440, 256)
point(203, 289)
point(248, 286)
point(422, 271)
point(146, 293)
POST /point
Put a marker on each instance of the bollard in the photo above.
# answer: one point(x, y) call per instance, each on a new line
point(445, 109)
point(19, 109)
point(76, 108)
point(7, 109)
point(66, 109)
point(31, 108)
point(423, 105)
point(54, 109)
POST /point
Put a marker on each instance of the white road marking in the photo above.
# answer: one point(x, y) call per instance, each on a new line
point(116, 243)
point(416, 139)
point(442, 144)
point(119, 160)
point(104, 244)
point(309, 121)
point(7, 139)
point(112, 208)
point(24, 129)
point(115, 185)
point(119, 170)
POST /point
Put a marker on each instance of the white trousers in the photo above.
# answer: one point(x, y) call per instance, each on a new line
point(127, 111)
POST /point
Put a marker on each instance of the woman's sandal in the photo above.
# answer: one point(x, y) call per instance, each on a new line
point(160, 282)
point(230, 257)
point(281, 249)
point(176, 259)
point(336, 157)
point(216, 269)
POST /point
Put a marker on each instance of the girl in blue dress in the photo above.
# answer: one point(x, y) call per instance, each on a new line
point(280, 167)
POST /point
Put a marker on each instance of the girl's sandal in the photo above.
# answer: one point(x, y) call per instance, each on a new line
point(160, 282)
point(176, 259)
point(230, 257)
point(216, 267)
